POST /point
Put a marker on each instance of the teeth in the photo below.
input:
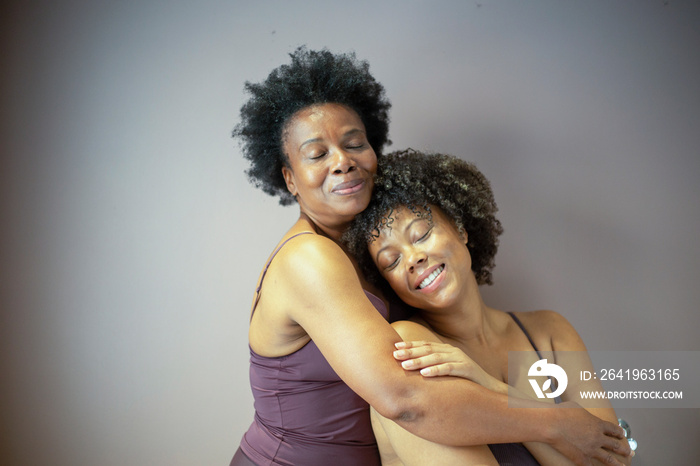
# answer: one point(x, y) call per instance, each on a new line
point(429, 279)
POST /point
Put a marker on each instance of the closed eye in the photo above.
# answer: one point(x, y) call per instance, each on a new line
point(425, 236)
point(393, 264)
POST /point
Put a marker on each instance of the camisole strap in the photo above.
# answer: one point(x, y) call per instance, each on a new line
point(522, 327)
point(557, 400)
point(257, 290)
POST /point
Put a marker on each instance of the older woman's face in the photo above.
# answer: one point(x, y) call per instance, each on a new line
point(331, 164)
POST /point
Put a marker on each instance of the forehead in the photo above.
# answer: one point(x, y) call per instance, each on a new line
point(317, 120)
point(396, 221)
point(400, 218)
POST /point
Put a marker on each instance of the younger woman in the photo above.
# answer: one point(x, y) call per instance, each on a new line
point(431, 234)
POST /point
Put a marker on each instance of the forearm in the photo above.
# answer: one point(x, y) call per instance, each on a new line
point(459, 412)
point(545, 454)
point(548, 456)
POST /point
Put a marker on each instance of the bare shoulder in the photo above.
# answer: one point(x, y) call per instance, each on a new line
point(310, 288)
point(309, 252)
point(304, 267)
point(310, 262)
point(311, 278)
point(413, 330)
point(551, 330)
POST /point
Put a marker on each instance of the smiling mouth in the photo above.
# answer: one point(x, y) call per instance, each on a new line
point(349, 187)
point(431, 278)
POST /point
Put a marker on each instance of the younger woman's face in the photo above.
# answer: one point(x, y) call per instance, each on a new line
point(331, 164)
point(425, 262)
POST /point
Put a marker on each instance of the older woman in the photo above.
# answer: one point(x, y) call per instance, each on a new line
point(430, 233)
point(319, 339)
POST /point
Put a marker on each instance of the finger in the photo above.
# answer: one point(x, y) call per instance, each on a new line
point(610, 459)
point(615, 440)
point(435, 371)
point(412, 353)
point(613, 430)
point(607, 454)
point(619, 446)
point(438, 370)
point(411, 344)
point(424, 361)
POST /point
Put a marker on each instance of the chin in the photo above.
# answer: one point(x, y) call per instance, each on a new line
point(412, 300)
point(355, 206)
point(437, 303)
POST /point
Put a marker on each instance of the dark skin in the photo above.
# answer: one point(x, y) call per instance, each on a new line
point(428, 265)
point(329, 170)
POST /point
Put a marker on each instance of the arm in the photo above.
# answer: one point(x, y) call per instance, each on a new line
point(322, 293)
point(566, 339)
point(439, 359)
point(398, 446)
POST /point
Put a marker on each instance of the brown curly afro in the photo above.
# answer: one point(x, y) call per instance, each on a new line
point(417, 180)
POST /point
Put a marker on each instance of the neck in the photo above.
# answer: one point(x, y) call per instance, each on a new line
point(334, 231)
point(468, 322)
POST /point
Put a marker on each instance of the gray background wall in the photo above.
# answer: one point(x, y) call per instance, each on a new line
point(131, 239)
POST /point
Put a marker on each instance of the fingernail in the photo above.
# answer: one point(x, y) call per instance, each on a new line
point(408, 363)
point(425, 371)
point(400, 345)
point(399, 354)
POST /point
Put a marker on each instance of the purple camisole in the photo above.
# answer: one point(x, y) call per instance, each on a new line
point(304, 413)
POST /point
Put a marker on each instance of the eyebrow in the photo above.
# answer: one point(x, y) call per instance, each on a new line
point(404, 230)
point(309, 141)
point(349, 132)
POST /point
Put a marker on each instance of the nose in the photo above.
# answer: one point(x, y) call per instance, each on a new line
point(342, 162)
point(416, 258)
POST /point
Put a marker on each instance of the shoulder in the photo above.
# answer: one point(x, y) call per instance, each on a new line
point(552, 330)
point(310, 256)
point(311, 275)
point(304, 266)
point(309, 245)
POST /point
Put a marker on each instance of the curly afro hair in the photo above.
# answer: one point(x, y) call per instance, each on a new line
point(312, 78)
point(417, 181)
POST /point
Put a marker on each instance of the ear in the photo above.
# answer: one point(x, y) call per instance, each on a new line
point(463, 235)
point(288, 175)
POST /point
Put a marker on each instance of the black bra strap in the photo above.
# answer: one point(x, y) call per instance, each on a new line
point(522, 327)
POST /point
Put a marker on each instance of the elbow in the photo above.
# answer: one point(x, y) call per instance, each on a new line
point(401, 407)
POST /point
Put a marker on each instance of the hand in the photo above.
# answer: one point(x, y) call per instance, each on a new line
point(438, 359)
point(581, 436)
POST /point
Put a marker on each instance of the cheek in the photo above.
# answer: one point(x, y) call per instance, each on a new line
point(313, 179)
point(371, 164)
point(398, 283)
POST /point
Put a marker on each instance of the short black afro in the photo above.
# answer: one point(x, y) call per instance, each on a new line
point(416, 180)
point(312, 78)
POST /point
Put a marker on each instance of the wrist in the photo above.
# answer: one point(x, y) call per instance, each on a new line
point(551, 424)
